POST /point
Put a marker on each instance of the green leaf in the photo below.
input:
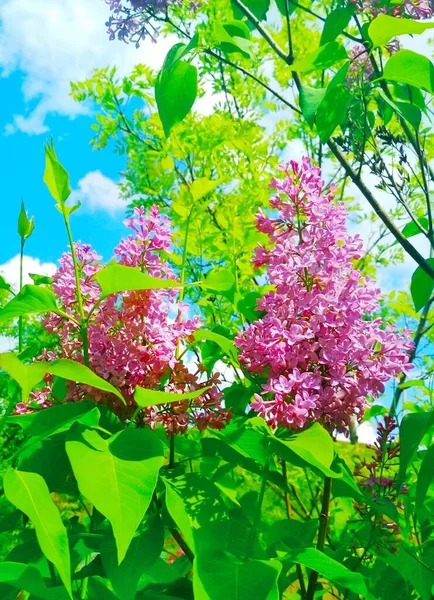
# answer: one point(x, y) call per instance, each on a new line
point(310, 100)
point(247, 306)
point(27, 376)
point(335, 23)
point(52, 420)
point(145, 397)
point(56, 177)
point(405, 110)
point(332, 570)
point(420, 576)
point(118, 476)
point(412, 229)
point(324, 57)
point(425, 477)
point(202, 186)
point(412, 383)
point(217, 576)
point(29, 579)
point(412, 429)
point(30, 494)
point(75, 371)
point(114, 279)
point(41, 279)
point(175, 93)
point(25, 225)
point(225, 344)
point(31, 300)
point(332, 111)
point(410, 67)
point(421, 286)
point(4, 285)
point(229, 40)
point(144, 550)
point(314, 446)
point(219, 280)
point(176, 509)
point(258, 7)
point(384, 28)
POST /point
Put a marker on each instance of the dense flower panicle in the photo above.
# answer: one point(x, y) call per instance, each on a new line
point(133, 340)
point(318, 345)
point(416, 9)
point(131, 20)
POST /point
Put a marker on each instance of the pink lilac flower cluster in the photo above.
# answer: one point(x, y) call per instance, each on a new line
point(319, 345)
point(379, 477)
point(415, 9)
point(360, 63)
point(133, 341)
point(132, 20)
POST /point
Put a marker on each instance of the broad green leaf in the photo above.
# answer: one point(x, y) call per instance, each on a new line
point(30, 494)
point(144, 550)
point(202, 186)
point(219, 280)
point(421, 286)
point(412, 229)
point(292, 532)
point(175, 93)
point(332, 570)
point(114, 279)
point(55, 419)
point(178, 51)
point(336, 22)
point(47, 457)
point(31, 300)
point(28, 578)
point(176, 509)
point(384, 28)
point(415, 571)
point(27, 376)
point(237, 29)
point(410, 67)
point(425, 477)
point(75, 371)
point(225, 344)
point(411, 431)
point(248, 306)
point(25, 225)
point(118, 476)
point(332, 111)
point(405, 110)
point(145, 397)
point(310, 100)
point(375, 411)
point(229, 39)
point(98, 589)
point(41, 279)
point(258, 7)
point(314, 446)
point(216, 575)
point(4, 285)
point(412, 383)
point(56, 177)
point(324, 57)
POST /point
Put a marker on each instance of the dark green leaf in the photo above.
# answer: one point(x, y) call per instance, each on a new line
point(175, 93)
point(217, 576)
point(310, 100)
point(410, 67)
point(30, 494)
point(405, 110)
point(225, 344)
point(421, 286)
point(248, 306)
point(258, 7)
point(332, 111)
point(41, 279)
point(120, 278)
point(384, 28)
point(336, 22)
point(229, 40)
point(25, 577)
point(117, 475)
point(412, 229)
point(144, 550)
point(4, 285)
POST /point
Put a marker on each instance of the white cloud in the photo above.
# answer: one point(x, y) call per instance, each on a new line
point(53, 42)
point(96, 191)
point(11, 269)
